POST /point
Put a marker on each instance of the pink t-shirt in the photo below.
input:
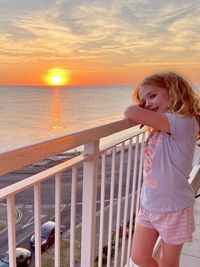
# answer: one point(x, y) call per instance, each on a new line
point(167, 165)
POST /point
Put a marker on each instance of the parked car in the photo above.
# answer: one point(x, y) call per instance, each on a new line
point(23, 258)
point(47, 235)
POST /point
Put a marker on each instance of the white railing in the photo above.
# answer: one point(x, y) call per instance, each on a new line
point(93, 154)
point(112, 174)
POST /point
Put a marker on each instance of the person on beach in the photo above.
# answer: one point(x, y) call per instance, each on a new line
point(169, 106)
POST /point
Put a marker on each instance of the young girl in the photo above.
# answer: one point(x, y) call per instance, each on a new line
point(169, 106)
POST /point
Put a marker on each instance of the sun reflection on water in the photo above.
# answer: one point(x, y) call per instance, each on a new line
point(56, 110)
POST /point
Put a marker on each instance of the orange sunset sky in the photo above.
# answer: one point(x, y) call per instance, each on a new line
point(97, 42)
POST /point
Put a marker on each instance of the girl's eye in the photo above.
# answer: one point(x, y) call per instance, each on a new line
point(152, 96)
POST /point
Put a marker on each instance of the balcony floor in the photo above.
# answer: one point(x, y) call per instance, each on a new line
point(190, 256)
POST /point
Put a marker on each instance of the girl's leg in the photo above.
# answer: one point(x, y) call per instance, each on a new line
point(170, 255)
point(144, 239)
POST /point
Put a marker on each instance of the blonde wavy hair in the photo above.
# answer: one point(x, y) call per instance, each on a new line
point(183, 98)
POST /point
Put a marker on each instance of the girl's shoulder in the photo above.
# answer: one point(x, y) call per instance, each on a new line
point(182, 125)
point(182, 118)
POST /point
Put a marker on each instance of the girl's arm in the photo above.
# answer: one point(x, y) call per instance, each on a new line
point(155, 120)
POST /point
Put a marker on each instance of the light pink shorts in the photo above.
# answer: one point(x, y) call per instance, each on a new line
point(173, 227)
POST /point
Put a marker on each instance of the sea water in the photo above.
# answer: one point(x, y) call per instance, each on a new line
point(33, 114)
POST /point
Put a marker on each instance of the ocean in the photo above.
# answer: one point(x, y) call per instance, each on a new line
point(33, 114)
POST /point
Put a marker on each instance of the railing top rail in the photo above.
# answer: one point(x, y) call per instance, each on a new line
point(120, 139)
point(50, 172)
point(194, 179)
point(40, 177)
point(85, 133)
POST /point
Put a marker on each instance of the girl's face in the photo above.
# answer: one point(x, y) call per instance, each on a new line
point(154, 98)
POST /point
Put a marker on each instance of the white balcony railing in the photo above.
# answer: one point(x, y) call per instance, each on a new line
point(111, 160)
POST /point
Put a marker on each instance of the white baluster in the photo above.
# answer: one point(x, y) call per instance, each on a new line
point(11, 230)
point(88, 235)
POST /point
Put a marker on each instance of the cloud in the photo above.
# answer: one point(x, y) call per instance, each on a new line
point(113, 32)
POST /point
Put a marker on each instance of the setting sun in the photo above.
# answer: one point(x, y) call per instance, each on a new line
point(57, 77)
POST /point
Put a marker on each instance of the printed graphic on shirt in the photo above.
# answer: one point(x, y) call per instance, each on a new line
point(154, 140)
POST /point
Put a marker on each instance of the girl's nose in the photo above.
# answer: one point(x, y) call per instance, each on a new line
point(148, 104)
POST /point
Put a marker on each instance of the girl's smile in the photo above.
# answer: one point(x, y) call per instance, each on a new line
point(154, 98)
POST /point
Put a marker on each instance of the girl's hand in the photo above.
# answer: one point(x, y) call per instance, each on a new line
point(128, 113)
point(142, 106)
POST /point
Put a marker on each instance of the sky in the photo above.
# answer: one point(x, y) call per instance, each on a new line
point(104, 42)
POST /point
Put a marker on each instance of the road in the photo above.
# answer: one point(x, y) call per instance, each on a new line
point(25, 207)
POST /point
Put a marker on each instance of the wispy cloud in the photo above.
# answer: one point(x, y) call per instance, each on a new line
point(103, 32)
